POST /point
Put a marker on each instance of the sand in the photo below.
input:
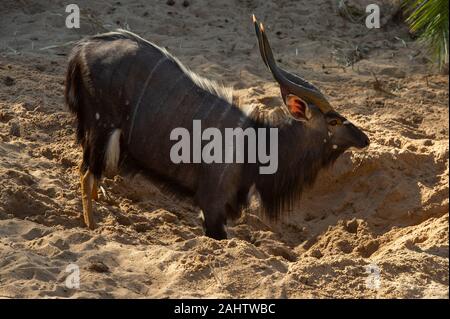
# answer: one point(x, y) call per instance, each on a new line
point(375, 225)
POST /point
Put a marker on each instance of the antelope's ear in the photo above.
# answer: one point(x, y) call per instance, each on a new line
point(298, 108)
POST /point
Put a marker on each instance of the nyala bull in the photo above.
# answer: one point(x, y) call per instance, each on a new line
point(128, 95)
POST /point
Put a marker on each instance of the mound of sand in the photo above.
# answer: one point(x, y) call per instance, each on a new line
point(375, 225)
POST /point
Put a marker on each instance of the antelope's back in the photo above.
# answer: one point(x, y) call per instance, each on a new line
point(143, 90)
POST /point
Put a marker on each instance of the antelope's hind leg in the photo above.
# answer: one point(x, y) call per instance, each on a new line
point(95, 190)
point(88, 181)
point(94, 164)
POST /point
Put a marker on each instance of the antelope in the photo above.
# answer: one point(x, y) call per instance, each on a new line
point(128, 94)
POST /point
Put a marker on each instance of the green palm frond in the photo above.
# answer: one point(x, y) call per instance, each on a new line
point(429, 19)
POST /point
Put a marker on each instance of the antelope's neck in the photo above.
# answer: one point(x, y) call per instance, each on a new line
point(301, 155)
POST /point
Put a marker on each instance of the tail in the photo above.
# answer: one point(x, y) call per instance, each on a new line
point(73, 93)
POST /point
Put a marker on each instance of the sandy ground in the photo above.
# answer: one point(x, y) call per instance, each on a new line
point(374, 226)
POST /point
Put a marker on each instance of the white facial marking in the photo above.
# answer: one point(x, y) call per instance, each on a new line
point(97, 116)
point(201, 216)
point(330, 134)
point(334, 146)
point(324, 140)
point(346, 122)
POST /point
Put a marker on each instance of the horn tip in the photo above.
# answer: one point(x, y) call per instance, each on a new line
point(253, 18)
point(261, 27)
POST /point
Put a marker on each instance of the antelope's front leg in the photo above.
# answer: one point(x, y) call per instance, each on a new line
point(214, 221)
point(87, 189)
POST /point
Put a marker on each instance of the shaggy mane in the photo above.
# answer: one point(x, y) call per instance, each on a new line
point(302, 159)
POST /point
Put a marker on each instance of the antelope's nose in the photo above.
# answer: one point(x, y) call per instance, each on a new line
point(366, 142)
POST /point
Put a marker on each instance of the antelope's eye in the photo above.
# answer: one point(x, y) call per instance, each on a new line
point(333, 122)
